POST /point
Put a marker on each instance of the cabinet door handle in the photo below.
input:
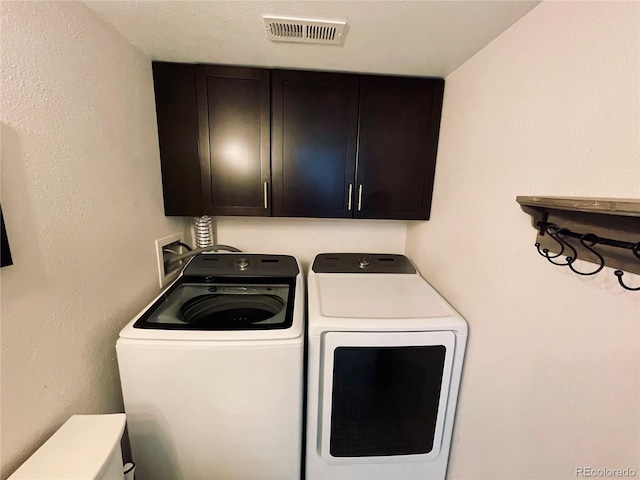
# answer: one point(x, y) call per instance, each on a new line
point(360, 197)
point(266, 202)
point(350, 192)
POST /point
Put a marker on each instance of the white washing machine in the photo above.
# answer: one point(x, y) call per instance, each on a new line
point(212, 372)
point(384, 365)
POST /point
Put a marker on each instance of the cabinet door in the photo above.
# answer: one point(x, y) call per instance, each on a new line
point(314, 129)
point(233, 113)
point(177, 114)
point(398, 140)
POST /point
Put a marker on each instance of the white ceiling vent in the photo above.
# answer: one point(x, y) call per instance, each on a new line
point(288, 29)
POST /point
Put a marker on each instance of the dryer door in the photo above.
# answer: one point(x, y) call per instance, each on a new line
point(384, 395)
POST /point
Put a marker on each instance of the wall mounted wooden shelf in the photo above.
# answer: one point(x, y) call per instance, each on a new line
point(584, 228)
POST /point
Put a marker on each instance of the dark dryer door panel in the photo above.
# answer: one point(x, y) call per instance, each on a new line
point(233, 110)
point(384, 394)
point(399, 127)
point(315, 119)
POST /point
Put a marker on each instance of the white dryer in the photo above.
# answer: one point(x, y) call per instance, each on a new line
point(212, 372)
point(384, 366)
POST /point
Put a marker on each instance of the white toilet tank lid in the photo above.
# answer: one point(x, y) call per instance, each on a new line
point(80, 449)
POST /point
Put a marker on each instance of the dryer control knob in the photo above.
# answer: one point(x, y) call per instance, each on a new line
point(363, 262)
point(243, 264)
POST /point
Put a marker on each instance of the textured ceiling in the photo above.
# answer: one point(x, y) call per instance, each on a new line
point(430, 38)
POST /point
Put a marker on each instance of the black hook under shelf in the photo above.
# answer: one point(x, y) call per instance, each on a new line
point(588, 241)
point(619, 273)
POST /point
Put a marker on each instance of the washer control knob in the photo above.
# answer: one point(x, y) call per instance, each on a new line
point(243, 264)
point(363, 262)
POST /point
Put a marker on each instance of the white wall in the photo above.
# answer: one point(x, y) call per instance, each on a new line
point(81, 196)
point(305, 238)
point(551, 380)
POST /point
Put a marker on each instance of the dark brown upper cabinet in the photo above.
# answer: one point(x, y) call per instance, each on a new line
point(398, 141)
point(314, 136)
point(177, 116)
point(358, 146)
point(250, 141)
point(234, 132)
point(214, 135)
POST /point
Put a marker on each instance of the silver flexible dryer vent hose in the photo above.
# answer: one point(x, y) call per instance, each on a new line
point(203, 230)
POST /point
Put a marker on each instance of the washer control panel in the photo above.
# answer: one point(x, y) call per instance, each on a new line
point(240, 264)
point(362, 263)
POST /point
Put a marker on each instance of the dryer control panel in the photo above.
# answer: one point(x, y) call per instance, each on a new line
point(362, 263)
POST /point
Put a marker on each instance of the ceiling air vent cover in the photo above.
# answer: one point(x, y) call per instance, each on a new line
point(287, 29)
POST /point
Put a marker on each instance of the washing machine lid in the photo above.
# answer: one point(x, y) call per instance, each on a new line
point(201, 303)
point(379, 296)
point(222, 292)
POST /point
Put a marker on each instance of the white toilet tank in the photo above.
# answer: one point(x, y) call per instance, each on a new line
point(86, 447)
